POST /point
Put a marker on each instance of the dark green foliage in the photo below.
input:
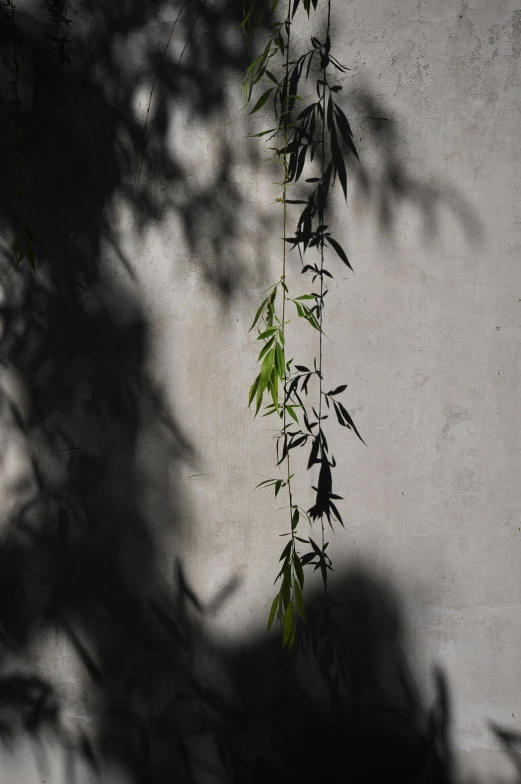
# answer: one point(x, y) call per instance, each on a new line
point(318, 135)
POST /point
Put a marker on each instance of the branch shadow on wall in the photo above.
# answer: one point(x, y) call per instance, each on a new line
point(80, 556)
point(388, 183)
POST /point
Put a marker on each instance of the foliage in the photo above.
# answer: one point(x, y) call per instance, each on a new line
point(319, 138)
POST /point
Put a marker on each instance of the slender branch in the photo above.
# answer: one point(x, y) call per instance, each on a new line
point(284, 243)
point(322, 243)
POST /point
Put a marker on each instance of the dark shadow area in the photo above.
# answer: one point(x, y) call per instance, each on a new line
point(378, 728)
point(79, 555)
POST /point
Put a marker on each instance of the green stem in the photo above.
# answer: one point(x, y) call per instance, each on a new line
point(284, 243)
point(321, 221)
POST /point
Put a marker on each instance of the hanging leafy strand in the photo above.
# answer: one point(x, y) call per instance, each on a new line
point(24, 242)
point(320, 136)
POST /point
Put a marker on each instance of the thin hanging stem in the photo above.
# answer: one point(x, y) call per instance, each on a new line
point(284, 243)
point(321, 301)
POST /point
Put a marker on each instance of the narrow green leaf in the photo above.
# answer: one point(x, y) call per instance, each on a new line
point(262, 133)
point(273, 612)
point(291, 412)
point(244, 21)
point(294, 521)
point(266, 368)
point(298, 570)
point(286, 585)
point(258, 313)
point(288, 626)
point(253, 390)
point(274, 387)
point(267, 483)
point(262, 100)
point(338, 160)
point(285, 552)
point(279, 361)
point(299, 601)
point(265, 349)
point(267, 333)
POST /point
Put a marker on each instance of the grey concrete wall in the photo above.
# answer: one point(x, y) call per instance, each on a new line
point(426, 332)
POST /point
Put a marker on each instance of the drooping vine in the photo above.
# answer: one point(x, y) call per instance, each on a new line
point(319, 140)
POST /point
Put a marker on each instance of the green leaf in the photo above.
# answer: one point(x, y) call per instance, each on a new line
point(338, 160)
point(279, 361)
point(298, 570)
point(245, 19)
point(299, 601)
point(278, 484)
point(285, 553)
point(274, 387)
point(267, 483)
point(304, 296)
point(288, 626)
point(273, 612)
point(262, 133)
point(345, 130)
point(253, 390)
point(262, 100)
point(265, 349)
point(267, 333)
point(291, 412)
point(294, 520)
point(259, 312)
point(304, 312)
point(266, 368)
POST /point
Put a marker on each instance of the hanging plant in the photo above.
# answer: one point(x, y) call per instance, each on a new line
point(319, 136)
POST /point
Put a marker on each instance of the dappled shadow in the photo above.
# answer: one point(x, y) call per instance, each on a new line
point(387, 182)
point(81, 569)
point(175, 704)
point(81, 566)
point(378, 728)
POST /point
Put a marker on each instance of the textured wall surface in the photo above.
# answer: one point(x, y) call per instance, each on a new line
point(426, 333)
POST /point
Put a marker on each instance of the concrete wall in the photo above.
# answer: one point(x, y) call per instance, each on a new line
point(426, 332)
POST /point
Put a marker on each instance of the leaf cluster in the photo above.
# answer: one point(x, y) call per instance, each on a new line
point(320, 135)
